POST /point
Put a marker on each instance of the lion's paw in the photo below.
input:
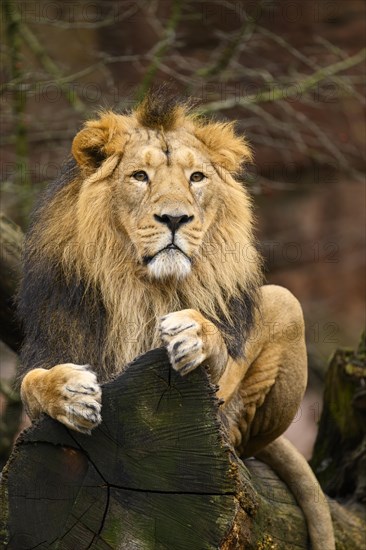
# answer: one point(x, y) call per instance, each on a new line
point(181, 333)
point(74, 397)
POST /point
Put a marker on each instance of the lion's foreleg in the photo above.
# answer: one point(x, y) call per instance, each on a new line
point(68, 393)
point(190, 340)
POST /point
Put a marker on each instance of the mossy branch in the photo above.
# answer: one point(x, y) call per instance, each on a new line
point(47, 63)
point(13, 23)
point(161, 49)
point(283, 92)
point(229, 51)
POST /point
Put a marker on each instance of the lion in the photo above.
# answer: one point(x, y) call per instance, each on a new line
point(147, 239)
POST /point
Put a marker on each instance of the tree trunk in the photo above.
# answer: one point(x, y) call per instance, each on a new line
point(10, 332)
point(10, 259)
point(339, 458)
point(158, 473)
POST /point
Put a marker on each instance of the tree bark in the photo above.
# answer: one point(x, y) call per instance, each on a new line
point(158, 473)
point(10, 260)
point(339, 458)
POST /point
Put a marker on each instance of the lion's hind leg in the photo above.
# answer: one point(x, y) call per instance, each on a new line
point(271, 391)
point(267, 401)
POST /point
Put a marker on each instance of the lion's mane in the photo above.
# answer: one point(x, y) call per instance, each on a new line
point(84, 299)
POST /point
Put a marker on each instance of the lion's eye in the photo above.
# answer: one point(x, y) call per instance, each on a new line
point(140, 176)
point(197, 176)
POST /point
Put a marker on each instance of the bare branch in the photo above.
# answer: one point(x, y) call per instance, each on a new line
point(161, 49)
point(47, 63)
point(268, 96)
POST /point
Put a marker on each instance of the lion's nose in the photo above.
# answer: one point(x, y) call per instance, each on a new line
point(173, 222)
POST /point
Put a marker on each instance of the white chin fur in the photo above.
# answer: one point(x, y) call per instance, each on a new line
point(171, 263)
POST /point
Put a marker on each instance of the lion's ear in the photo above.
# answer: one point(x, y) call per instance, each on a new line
point(98, 140)
point(227, 149)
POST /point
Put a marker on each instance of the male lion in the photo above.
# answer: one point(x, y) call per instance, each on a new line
point(147, 239)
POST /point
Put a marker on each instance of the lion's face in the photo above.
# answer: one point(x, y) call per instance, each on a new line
point(166, 196)
point(164, 189)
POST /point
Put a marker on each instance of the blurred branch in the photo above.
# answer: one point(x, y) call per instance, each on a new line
point(307, 61)
point(47, 62)
point(229, 51)
point(115, 17)
point(321, 137)
point(105, 60)
point(161, 49)
point(267, 96)
point(12, 21)
point(42, 136)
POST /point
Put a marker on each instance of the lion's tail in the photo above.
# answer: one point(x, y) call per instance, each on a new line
point(293, 469)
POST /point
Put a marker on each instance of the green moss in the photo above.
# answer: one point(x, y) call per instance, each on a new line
point(266, 543)
point(342, 425)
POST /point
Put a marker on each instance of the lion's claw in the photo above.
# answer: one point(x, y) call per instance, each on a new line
point(181, 334)
point(76, 397)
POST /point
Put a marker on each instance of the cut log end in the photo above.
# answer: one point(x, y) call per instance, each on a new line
point(158, 473)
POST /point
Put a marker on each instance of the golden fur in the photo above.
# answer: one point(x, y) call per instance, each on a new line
point(150, 242)
point(97, 246)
